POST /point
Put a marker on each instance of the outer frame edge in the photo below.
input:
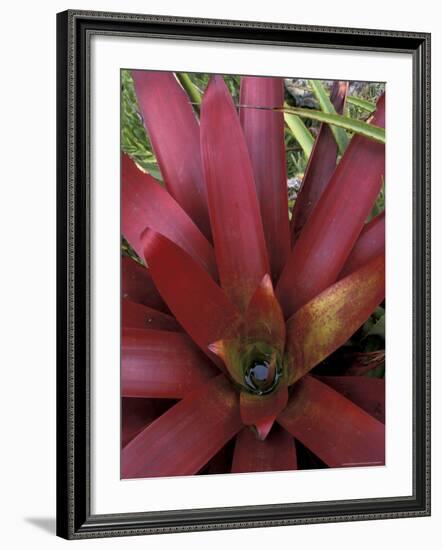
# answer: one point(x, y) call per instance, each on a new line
point(72, 521)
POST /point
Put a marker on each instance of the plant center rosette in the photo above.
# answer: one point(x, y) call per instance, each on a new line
point(235, 305)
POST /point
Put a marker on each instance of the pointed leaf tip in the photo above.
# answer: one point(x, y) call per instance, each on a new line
point(175, 136)
point(234, 210)
point(261, 411)
point(320, 167)
point(264, 134)
point(264, 320)
point(277, 453)
point(193, 291)
point(334, 225)
point(145, 203)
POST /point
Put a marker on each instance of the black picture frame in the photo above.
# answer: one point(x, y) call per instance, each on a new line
point(74, 518)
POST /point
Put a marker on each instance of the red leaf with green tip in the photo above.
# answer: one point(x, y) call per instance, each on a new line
point(334, 225)
point(329, 320)
point(230, 352)
point(264, 135)
point(262, 328)
point(370, 243)
point(264, 321)
point(335, 429)
point(135, 315)
point(233, 206)
point(137, 285)
point(161, 364)
point(138, 413)
point(187, 436)
point(144, 203)
point(276, 454)
point(174, 132)
point(368, 393)
point(320, 167)
point(197, 302)
point(261, 411)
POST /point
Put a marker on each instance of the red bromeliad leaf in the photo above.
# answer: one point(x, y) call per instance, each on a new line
point(321, 165)
point(335, 429)
point(329, 320)
point(261, 411)
point(197, 302)
point(138, 413)
point(234, 210)
point(161, 364)
point(136, 285)
point(264, 134)
point(334, 225)
point(264, 321)
point(135, 315)
point(174, 132)
point(187, 436)
point(146, 204)
point(370, 243)
point(276, 454)
point(368, 393)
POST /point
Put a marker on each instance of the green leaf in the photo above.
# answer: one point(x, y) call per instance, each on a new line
point(352, 125)
point(327, 106)
point(190, 88)
point(361, 103)
point(378, 329)
point(153, 170)
point(300, 132)
point(134, 140)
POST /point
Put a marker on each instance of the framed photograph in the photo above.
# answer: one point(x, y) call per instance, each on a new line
point(243, 274)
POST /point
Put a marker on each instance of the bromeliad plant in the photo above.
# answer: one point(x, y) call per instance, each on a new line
point(236, 304)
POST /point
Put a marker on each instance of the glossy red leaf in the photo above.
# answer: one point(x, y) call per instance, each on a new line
point(329, 320)
point(264, 135)
point(276, 454)
point(334, 225)
point(135, 315)
point(137, 285)
point(339, 432)
point(370, 243)
point(197, 302)
point(187, 436)
point(138, 413)
point(144, 203)
point(264, 321)
point(234, 210)
point(260, 411)
point(174, 132)
point(320, 167)
point(161, 364)
point(368, 393)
